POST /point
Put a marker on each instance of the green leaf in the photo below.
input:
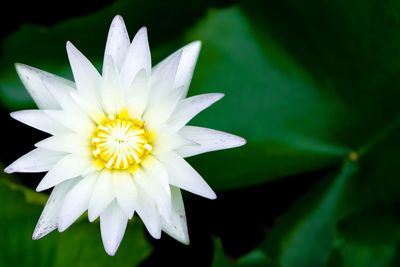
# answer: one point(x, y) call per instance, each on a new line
point(292, 124)
point(350, 48)
point(304, 235)
point(255, 258)
point(370, 239)
point(80, 245)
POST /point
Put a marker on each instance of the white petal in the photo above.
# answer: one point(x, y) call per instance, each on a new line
point(76, 201)
point(190, 107)
point(163, 77)
point(154, 168)
point(156, 115)
point(167, 141)
point(90, 109)
point(137, 58)
point(125, 192)
point(62, 93)
point(111, 93)
point(40, 120)
point(81, 125)
point(102, 196)
point(178, 226)
point(182, 175)
point(86, 76)
point(32, 80)
point(117, 42)
point(70, 166)
point(68, 143)
point(137, 95)
point(113, 224)
point(148, 212)
point(208, 140)
point(152, 182)
point(187, 64)
point(38, 160)
point(49, 218)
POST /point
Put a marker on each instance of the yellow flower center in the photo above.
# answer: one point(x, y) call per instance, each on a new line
point(120, 143)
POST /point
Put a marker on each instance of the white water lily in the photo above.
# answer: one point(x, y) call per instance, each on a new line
point(118, 140)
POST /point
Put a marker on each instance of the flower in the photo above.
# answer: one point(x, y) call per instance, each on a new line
point(118, 140)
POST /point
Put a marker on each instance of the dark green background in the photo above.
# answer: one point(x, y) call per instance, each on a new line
point(312, 85)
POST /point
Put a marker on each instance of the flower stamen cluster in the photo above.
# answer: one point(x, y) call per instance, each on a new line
point(120, 143)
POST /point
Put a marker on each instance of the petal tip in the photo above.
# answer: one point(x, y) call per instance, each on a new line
point(19, 66)
point(197, 43)
point(241, 141)
point(37, 235)
point(143, 29)
point(118, 18)
point(212, 196)
point(62, 226)
point(41, 187)
point(71, 49)
point(141, 33)
point(91, 217)
point(14, 115)
point(110, 252)
point(118, 22)
point(218, 96)
point(9, 170)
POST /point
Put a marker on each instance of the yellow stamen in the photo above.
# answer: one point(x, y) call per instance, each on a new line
point(120, 142)
point(148, 147)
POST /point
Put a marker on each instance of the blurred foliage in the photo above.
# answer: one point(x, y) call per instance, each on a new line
point(310, 84)
point(370, 239)
point(79, 246)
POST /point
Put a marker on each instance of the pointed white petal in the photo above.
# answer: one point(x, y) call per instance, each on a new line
point(137, 58)
point(111, 93)
point(68, 167)
point(153, 183)
point(112, 224)
point(190, 107)
point(90, 109)
point(86, 76)
point(32, 80)
point(186, 65)
point(49, 218)
point(62, 93)
point(125, 192)
point(182, 175)
point(208, 140)
point(102, 195)
point(156, 115)
point(178, 226)
point(117, 42)
point(81, 125)
point(162, 78)
point(137, 95)
point(68, 143)
point(153, 167)
point(167, 141)
point(148, 212)
point(76, 201)
point(40, 120)
point(38, 160)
